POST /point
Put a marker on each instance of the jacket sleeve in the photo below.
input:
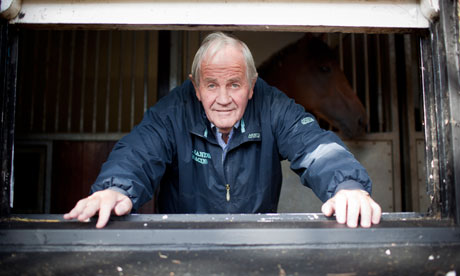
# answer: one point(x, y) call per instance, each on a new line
point(138, 161)
point(319, 157)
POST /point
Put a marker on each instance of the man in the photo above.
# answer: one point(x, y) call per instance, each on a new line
point(214, 145)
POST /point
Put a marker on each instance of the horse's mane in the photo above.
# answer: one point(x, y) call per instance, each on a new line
point(274, 59)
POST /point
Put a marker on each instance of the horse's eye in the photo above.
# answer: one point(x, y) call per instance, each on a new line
point(325, 69)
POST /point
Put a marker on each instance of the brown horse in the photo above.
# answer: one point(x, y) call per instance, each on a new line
point(308, 71)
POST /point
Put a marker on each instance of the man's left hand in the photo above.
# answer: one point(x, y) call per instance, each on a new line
point(349, 205)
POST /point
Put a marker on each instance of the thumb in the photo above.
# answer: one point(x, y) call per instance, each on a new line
point(328, 208)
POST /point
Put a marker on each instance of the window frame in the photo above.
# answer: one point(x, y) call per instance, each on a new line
point(440, 77)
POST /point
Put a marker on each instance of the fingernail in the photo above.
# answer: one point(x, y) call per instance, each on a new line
point(352, 225)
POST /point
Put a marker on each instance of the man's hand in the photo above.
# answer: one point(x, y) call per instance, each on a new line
point(105, 202)
point(348, 205)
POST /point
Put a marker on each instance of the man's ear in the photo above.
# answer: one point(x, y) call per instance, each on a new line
point(194, 86)
point(251, 92)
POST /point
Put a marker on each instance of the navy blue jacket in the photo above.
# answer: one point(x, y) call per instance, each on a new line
point(174, 149)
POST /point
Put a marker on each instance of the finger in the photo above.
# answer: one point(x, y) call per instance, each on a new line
point(68, 215)
point(104, 212)
point(76, 211)
point(376, 212)
point(353, 208)
point(123, 207)
point(328, 208)
point(365, 212)
point(340, 208)
point(92, 206)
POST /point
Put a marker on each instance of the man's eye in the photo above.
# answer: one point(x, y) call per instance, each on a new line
point(235, 85)
point(211, 86)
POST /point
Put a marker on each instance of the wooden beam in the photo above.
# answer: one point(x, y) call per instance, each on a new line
point(269, 15)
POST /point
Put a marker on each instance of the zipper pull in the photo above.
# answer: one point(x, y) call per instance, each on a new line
point(227, 186)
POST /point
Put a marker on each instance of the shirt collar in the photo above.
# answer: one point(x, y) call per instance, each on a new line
point(214, 128)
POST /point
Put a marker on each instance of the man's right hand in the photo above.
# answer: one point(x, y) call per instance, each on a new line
point(103, 202)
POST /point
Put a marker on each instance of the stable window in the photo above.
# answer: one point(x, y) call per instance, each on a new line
point(79, 91)
point(87, 89)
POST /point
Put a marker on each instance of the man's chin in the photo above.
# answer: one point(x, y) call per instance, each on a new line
point(224, 128)
point(224, 124)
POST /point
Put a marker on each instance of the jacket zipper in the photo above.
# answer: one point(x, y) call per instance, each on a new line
point(227, 186)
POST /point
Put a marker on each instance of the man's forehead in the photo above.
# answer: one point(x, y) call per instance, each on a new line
point(211, 71)
point(214, 72)
point(228, 79)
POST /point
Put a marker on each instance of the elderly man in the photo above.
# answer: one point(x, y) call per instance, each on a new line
point(214, 145)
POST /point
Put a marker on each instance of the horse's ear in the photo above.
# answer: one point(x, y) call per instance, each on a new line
point(323, 37)
point(319, 36)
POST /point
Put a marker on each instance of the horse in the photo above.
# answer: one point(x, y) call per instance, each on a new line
point(307, 71)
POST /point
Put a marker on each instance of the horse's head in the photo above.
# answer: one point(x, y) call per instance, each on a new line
point(308, 71)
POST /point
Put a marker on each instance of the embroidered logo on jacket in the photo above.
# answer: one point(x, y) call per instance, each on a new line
point(201, 156)
point(255, 135)
point(306, 120)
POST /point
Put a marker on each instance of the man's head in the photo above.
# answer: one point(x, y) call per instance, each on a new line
point(224, 75)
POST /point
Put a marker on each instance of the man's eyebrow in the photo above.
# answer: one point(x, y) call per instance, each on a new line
point(210, 79)
point(236, 79)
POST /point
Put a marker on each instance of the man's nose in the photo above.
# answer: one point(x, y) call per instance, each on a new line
point(223, 97)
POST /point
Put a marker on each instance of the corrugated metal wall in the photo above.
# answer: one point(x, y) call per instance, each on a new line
point(75, 87)
point(84, 82)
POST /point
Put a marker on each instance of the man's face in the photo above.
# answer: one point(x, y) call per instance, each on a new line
point(224, 89)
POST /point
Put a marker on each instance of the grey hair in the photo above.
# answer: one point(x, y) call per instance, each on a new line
point(215, 42)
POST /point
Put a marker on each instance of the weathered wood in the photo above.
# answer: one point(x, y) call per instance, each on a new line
point(270, 244)
point(253, 14)
point(75, 168)
point(440, 69)
point(8, 72)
